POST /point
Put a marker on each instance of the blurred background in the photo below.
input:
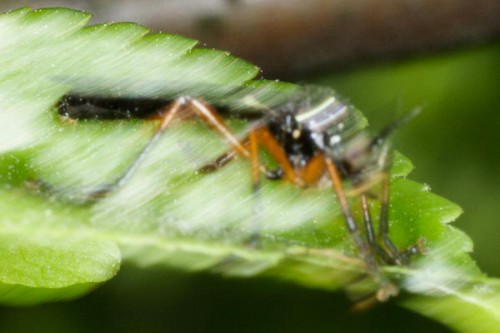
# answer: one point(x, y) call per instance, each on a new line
point(386, 57)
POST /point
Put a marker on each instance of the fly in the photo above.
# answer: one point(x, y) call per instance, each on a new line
point(315, 138)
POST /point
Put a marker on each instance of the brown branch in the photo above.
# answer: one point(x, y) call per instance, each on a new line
point(291, 37)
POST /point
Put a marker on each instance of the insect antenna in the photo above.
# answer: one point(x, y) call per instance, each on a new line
point(379, 139)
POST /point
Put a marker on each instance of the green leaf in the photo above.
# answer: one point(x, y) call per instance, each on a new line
point(168, 214)
point(465, 306)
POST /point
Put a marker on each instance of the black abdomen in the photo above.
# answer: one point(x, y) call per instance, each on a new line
point(78, 107)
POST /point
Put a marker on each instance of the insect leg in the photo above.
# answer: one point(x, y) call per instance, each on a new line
point(256, 136)
point(219, 162)
point(92, 193)
point(266, 139)
point(312, 172)
point(209, 115)
point(254, 160)
point(351, 224)
point(166, 116)
point(418, 248)
point(392, 250)
point(228, 156)
point(263, 137)
point(256, 220)
point(370, 231)
point(387, 288)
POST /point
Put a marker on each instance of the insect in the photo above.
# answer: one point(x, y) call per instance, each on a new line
point(315, 138)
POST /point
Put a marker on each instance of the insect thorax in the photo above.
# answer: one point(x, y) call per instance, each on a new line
point(318, 122)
